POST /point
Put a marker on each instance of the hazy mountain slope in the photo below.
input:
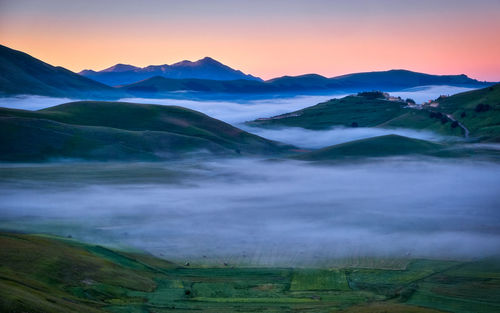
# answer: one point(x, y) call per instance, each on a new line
point(397, 79)
point(157, 85)
point(115, 130)
point(206, 68)
point(22, 74)
point(381, 146)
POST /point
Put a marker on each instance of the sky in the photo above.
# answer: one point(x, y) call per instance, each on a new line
point(262, 38)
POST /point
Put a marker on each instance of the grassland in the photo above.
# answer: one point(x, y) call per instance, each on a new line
point(117, 130)
point(41, 273)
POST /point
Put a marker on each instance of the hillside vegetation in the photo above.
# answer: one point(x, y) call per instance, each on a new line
point(118, 130)
point(46, 274)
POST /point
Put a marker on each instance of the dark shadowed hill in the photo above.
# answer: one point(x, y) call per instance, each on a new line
point(118, 130)
point(206, 68)
point(398, 79)
point(21, 73)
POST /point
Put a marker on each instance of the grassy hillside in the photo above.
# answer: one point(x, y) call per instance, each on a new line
point(478, 110)
point(338, 112)
point(46, 274)
point(381, 146)
point(117, 130)
point(20, 73)
point(360, 111)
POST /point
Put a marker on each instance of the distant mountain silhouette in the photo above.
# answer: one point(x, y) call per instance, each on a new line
point(21, 73)
point(206, 68)
point(387, 81)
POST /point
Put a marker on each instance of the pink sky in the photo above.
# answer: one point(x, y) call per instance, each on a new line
point(263, 38)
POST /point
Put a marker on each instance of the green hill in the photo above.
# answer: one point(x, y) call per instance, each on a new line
point(46, 274)
point(21, 73)
point(338, 112)
point(118, 130)
point(381, 146)
point(478, 111)
point(359, 111)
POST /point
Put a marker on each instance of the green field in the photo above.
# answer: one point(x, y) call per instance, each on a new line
point(41, 273)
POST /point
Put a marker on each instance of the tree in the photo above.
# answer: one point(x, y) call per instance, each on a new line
point(410, 101)
point(454, 124)
point(482, 107)
point(354, 124)
point(463, 115)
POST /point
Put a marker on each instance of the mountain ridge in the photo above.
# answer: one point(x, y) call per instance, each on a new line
point(205, 68)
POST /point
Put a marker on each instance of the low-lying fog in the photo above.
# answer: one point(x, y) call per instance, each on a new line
point(247, 211)
point(240, 110)
point(315, 139)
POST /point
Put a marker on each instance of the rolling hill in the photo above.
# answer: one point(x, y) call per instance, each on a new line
point(206, 68)
point(21, 73)
point(123, 131)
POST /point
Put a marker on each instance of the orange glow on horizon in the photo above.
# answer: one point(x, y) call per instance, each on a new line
point(267, 49)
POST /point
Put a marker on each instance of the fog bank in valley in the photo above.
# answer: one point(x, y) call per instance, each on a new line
point(315, 139)
point(259, 212)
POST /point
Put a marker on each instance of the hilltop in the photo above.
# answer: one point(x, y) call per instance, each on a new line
point(101, 130)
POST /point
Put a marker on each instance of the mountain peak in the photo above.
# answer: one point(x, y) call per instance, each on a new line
point(208, 60)
point(120, 67)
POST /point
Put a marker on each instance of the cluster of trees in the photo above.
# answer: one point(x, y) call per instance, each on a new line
point(372, 94)
point(482, 107)
point(440, 116)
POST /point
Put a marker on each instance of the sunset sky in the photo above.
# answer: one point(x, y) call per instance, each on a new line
point(263, 38)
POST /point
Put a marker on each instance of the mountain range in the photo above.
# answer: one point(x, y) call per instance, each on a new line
point(385, 80)
point(206, 68)
point(21, 73)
